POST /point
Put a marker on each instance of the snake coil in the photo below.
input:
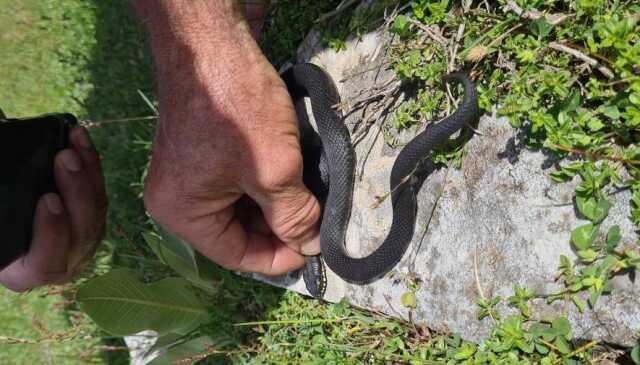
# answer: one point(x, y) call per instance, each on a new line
point(333, 182)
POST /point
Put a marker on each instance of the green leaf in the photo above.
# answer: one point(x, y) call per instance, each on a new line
point(588, 255)
point(613, 238)
point(466, 351)
point(595, 124)
point(576, 286)
point(537, 329)
point(168, 340)
point(178, 353)
point(525, 346)
point(181, 259)
point(569, 104)
point(401, 25)
point(121, 305)
point(583, 236)
point(602, 210)
point(594, 210)
point(562, 345)
point(635, 354)
point(541, 28)
point(561, 176)
point(579, 303)
point(408, 299)
point(611, 111)
point(594, 295)
point(562, 326)
point(542, 349)
point(204, 267)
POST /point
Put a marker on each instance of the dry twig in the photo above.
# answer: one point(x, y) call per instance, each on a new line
point(582, 57)
point(339, 9)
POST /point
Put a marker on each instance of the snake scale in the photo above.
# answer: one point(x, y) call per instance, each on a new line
point(329, 163)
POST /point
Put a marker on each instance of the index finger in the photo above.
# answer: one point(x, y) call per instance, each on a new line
point(223, 239)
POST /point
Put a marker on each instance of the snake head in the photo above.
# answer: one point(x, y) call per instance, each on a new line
point(315, 277)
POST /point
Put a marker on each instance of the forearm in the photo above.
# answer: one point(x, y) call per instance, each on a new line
point(199, 39)
point(214, 22)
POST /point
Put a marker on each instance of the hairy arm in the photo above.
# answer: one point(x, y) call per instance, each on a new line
point(226, 172)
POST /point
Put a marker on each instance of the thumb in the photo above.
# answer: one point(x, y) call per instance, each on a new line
point(293, 214)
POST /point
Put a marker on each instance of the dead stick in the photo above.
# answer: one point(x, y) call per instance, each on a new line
point(583, 57)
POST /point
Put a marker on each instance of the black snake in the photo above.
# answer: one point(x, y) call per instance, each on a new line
point(329, 162)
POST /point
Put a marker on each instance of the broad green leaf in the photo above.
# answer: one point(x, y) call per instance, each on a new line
point(408, 299)
point(586, 205)
point(611, 111)
point(121, 305)
point(549, 334)
point(178, 246)
point(569, 104)
point(595, 124)
point(187, 268)
point(181, 352)
point(537, 329)
point(542, 349)
point(594, 210)
point(608, 262)
point(401, 25)
point(590, 281)
point(613, 238)
point(562, 326)
point(541, 27)
point(466, 351)
point(602, 210)
point(576, 286)
point(583, 236)
point(525, 346)
point(635, 354)
point(588, 255)
point(594, 295)
point(561, 176)
point(168, 340)
point(562, 345)
point(205, 268)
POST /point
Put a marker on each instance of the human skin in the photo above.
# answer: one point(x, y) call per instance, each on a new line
point(67, 226)
point(226, 170)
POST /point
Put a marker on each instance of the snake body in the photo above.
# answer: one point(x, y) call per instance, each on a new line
point(329, 163)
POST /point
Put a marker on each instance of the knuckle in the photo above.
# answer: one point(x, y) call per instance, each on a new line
point(281, 176)
point(298, 220)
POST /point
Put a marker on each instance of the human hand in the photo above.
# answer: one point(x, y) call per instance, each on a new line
point(226, 171)
point(68, 226)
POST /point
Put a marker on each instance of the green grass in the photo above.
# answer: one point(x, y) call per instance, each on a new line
point(86, 58)
point(90, 58)
point(34, 79)
point(36, 329)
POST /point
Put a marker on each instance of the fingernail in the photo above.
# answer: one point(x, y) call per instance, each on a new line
point(82, 136)
point(54, 204)
point(70, 161)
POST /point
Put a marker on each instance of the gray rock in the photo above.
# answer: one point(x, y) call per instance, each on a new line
point(499, 212)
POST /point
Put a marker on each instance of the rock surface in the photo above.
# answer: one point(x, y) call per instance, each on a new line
point(499, 213)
